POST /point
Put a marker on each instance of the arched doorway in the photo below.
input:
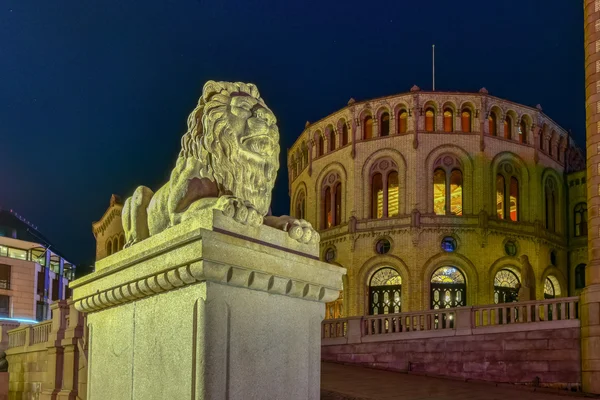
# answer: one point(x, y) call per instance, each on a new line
point(551, 287)
point(448, 288)
point(385, 292)
point(505, 286)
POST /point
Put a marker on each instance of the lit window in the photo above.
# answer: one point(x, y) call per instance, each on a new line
point(368, 128)
point(448, 120)
point(466, 120)
point(448, 244)
point(492, 124)
point(393, 193)
point(429, 120)
point(508, 128)
point(377, 196)
point(402, 121)
point(439, 191)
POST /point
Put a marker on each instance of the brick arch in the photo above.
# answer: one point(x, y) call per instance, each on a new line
point(398, 158)
point(506, 262)
point(468, 171)
point(369, 268)
point(431, 103)
point(382, 109)
point(524, 184)
point(457, 260)
point(319, 182)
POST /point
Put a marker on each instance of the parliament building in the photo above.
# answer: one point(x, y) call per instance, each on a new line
point(429, 200)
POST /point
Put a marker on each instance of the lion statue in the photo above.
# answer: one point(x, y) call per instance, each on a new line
point(228, 161)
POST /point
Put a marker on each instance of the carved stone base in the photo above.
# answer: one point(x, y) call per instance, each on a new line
point(208, 309)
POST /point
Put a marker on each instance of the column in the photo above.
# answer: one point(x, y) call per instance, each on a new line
point(208, 309)
point(590, 296)
point(54, 368)
point(70, 343)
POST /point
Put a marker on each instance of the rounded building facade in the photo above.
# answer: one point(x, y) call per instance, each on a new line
point(430, 200)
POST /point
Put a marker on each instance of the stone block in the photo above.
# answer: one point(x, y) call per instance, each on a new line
point(532, 344)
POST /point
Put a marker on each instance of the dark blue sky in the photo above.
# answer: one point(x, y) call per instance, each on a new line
point(94, 96)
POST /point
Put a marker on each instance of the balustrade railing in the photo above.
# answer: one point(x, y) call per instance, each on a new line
point(467, 320)
point(560, 309)
point(17, 337)
point(41, 332)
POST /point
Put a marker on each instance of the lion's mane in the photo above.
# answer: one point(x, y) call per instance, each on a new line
point(210, 140)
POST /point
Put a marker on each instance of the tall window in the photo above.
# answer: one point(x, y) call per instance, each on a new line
point(492, 124)
point(465, 120)
point(508, 127)
point(331, 201)
point(385, 292)
point(447, 186)
point(4, 276)
point(551, 287)
point(5, 306)
point(344, 140)
point(121, 241)
point(385, 124)
point(429, 119)
point(550, 204)
point(448, 288)
point(580, 219)
point(580, 276)
point(507, 193)
point(331, 140)
point(402, 121)
point(505, 286)
point(368, 127)
point(301, 206)
point(320, 145)
point(448, 120)
point(109, 248)
point(385, 189)
point(522, 132)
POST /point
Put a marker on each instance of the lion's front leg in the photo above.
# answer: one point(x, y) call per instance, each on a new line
point(240, 210)
point(298, 229)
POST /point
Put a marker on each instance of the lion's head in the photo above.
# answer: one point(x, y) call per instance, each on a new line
point(235, 136)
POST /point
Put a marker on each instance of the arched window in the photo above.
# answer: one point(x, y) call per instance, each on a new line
point(542, 141)
point(505, 286)
point(115, 245)
point(465, 119)
point(344, 134)
point(550, 204)
point(508, 127)
point(448, 288)
point(402, 121)
point(304, 155)
point(385, 190)
point(301, 206)
point(522, 132)
point(551, 287)
point(448, 120)
point(492, 122)
point(507, 193)
point(331, 211)
point(121, 241)
point(580, 276)
point(368, 127)
point(331, 140)
point(393, 194)
point(320, 145)
point(447, 186)
point(385, 292)
point(429, 119)
point(385, 124)
point(580, 219)
point(109, 247)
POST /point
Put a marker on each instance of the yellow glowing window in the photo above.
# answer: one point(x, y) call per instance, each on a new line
point(466, 121)
point(492, 124)
point(392, 194)
point(439, 191)
point(338, 204)
point(507, 128)
point(429, 120)
point(327, 216)
point(456, 192)
point(377, 196)
point(448, 120)
point(514, 199)
point(403, 122)
point(500, 196)
point(368, 128)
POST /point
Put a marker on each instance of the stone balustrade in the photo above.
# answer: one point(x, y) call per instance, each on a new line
point(558, 313)
point(18, 337)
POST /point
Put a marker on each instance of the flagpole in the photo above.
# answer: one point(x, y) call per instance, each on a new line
point(433, 70)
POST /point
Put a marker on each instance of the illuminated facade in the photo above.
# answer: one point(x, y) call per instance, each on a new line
point(430, 198)
point(32, 274)
point(108, 231)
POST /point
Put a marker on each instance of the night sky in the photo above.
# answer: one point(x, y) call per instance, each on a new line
point(94, 95)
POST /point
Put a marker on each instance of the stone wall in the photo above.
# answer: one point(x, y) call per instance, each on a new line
point(552, 356)
point(27, 372)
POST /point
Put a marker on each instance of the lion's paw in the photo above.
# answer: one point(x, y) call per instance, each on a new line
point(303, 231)
point(241, 211)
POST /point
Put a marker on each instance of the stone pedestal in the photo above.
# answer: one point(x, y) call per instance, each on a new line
point(208, 309)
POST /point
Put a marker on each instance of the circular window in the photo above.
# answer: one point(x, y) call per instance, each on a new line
point(330, 254)
point(553, 257)
point(510, 248)
point(449, 244)
point(382, 246)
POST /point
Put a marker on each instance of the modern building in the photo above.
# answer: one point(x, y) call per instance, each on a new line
point(429, 199)
point(33, 274)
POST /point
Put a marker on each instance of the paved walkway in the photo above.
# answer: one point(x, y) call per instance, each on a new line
point(359, 383)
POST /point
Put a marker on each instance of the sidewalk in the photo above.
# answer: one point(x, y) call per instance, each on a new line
point(350, 382)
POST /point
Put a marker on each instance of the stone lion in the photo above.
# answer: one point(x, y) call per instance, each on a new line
point(228, 161)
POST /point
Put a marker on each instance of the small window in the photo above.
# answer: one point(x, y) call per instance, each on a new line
point(403, 121)
point(429, 120)
point(553, 258)
point(5, 306)
point(383, 246)
point(449, 244)
point(330, 254)
point(368, 128)
point(510, 248)
point(4, 276)
point(580, 276)
point(385, 125)
point(55, 294)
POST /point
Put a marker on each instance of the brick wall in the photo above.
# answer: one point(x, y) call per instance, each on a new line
point(551, 355)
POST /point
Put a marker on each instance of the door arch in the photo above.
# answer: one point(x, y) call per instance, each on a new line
point(385, 292)
point(505, 286)
point(448, 288)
